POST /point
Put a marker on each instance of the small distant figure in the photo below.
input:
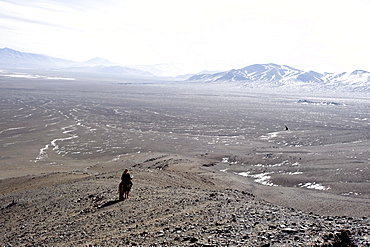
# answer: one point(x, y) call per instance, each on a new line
point(125, 185)
point(286, 128)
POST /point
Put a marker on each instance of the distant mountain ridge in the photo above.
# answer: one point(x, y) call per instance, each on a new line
point(257, 75)
point(282, 75)
point(110, 70)
point(98, 61)
point(12, 59)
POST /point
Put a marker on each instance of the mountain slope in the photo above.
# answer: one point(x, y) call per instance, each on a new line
point(256, 72)
point(174, 202)
point(15, 59)
point(12, 59)
point(282, 75)
point(98, 61)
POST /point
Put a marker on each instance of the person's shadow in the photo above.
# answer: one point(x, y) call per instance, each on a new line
point(110, 203)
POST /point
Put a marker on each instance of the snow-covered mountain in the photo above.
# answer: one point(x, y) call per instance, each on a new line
point(12, 59)
point(282, 75)
point(98, 61)
point(257, 75)
point(15, 59)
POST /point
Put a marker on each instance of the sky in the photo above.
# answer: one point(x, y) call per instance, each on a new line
point(320, 35)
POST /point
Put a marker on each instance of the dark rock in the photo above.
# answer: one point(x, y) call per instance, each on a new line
point(193, 240)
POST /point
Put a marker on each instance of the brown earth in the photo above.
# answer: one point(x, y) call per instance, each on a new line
point(175, 201)
point(64, 145)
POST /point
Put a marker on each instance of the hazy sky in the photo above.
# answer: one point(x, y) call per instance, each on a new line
point(320, 35)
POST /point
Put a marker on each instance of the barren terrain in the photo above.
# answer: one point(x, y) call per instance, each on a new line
point(213, 165)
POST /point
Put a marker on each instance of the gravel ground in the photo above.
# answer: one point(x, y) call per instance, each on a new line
point(175, 201)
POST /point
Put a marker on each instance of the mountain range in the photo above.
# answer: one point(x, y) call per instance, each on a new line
point(257, 75)
point(12, 59)
point(15, 59)
point(282, 75)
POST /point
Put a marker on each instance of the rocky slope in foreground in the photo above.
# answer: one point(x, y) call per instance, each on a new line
point(174, 202)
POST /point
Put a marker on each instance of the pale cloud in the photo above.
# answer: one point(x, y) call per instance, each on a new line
point(320, 35)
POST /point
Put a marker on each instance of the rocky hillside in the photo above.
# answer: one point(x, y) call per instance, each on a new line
point(175, 201)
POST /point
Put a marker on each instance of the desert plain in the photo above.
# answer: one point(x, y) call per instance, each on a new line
point(213, 164)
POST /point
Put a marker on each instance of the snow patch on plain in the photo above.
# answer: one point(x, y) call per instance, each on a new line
point(29, 76)
point(313, 185)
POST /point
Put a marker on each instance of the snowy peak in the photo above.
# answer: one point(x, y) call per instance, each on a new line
point(357, 78)
point(270, 72)
point(257, 72)
point(282, 75)
point(9, 52)
point(98, 61)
